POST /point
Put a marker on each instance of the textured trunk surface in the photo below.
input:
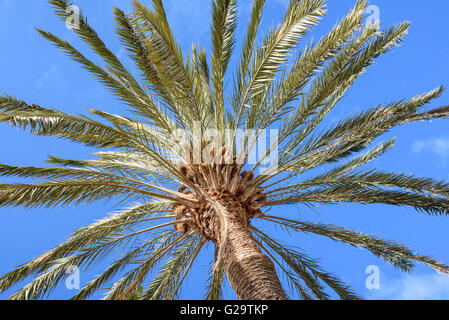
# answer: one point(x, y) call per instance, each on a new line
point(251, 273)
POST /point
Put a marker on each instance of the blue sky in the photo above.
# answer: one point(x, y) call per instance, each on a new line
point(38, 73)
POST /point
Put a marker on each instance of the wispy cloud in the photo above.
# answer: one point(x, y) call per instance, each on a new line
point(437, 146)
point(414, 287)
point(52, 72)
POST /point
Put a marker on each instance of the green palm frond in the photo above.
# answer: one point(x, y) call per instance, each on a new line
point(309, 62)
point(224, 17)
point(268, 59)
point(356, 194)
point(122, 80)
point(249, 44)
point(358, 132)
point(129, 164)
point(214, 289)
point(47, 281)
point(47, 122)
point(166, 284)
point(88, 35)
point(138, 100)
point(356, 162)
point(395, 180)
point(400, 256)
point(167, 57)
point(129, 258)
point(60, 193)
point(202, 85)
point(336, 79)
point(89, 251)
point(126, 286)
point(118, 222)
point(132, 39)
point(307, 269)
point(372, 179)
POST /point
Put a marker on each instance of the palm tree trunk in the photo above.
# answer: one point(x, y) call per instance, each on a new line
point(251, 273)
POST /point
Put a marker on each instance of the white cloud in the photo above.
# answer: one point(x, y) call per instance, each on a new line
point(52, 72)
point(410, 287)
point(437, 146)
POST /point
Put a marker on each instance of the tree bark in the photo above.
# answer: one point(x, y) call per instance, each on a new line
point(251, 273)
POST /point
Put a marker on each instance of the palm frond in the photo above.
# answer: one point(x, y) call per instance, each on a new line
point(45, 122)
point(400, 256)
point(115, 223)
point(165, 285)
point(46, 282)
point(435, 206)
point(224, 23)
point(88, 35)
point(138, 100)
point(349, 166)
point(336, 79)
point(272, 54)
point(248, 46)
point(307, 269)
point(214, 290)
point(310, 61)
point(117, 266)
point(355, 133)
point(126, 286)
point(133, 40)
point(166, 56)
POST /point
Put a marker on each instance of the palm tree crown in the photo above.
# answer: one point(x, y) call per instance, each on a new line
point(179, 203)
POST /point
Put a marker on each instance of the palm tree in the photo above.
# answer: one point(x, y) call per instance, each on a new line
point(177, 205)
